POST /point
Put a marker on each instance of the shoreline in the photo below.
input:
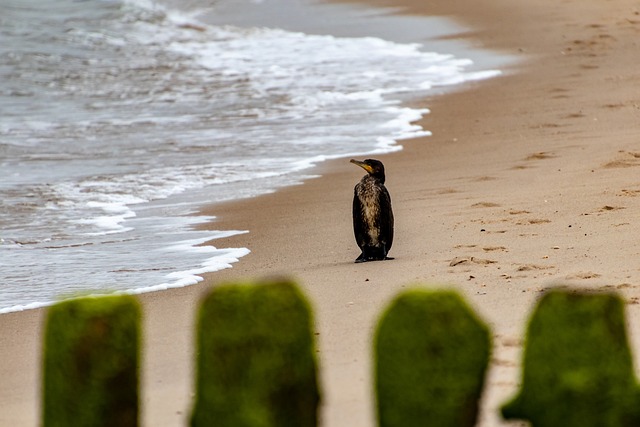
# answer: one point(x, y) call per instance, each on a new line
point(533, 172)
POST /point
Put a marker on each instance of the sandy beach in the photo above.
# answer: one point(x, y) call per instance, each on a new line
point(529, 180)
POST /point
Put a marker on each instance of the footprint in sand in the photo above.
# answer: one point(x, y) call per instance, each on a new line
point(583, 276)
point(559, 93)
point(533, 221)
point(608, 208)
point(494, 249)
point(465, 246)
point(542, 155)
point(615, 106)
point(447, 191)
point(589, 46)
point(633, 23)
point(628, 193)
point(468, 260)
point(485, 205)
point(546, 126)
point(484, 179)
point(577, 115)
point(625, 159)
point(535, 267)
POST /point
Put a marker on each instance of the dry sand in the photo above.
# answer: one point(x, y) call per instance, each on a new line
point(529, 180)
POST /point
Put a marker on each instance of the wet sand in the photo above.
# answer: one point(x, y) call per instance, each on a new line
point(529, 180)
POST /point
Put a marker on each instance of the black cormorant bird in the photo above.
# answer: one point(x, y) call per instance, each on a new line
point(372, 214)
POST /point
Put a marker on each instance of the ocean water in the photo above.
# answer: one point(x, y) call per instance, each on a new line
point(119, 118)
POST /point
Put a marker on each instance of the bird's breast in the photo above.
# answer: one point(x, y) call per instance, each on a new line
point(368, 191)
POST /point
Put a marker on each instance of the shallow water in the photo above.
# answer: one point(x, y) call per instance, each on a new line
point(120, 118)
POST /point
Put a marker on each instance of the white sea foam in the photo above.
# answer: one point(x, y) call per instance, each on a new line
point(216, 260)
point(23, 307)
point(220, 259)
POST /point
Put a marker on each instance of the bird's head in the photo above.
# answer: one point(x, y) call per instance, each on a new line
point(374, 167)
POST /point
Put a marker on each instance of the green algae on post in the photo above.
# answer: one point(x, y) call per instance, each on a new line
point(91, 358)
point(431, 356)
point(256, 363)
point(577, 368)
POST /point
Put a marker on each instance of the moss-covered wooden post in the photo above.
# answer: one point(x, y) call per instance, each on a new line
point(91, 357)
point(431, 355)
point(577, 368)
point(256, 362)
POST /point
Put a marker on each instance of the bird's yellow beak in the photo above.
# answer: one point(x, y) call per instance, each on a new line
point(362, 165)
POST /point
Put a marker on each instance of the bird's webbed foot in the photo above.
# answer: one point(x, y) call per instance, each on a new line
point(365, 258)
point(361, 258)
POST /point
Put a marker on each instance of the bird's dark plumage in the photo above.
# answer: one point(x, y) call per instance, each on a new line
point(372, 213)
